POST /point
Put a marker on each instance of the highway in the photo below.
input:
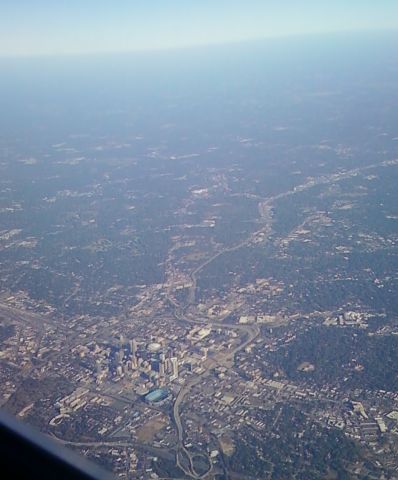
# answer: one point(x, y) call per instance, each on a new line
point(249, 334)
point(249, 331)
point(185, 459)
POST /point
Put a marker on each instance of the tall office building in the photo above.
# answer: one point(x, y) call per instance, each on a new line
point(174, 367)
point(120, 356)
point(133, 347)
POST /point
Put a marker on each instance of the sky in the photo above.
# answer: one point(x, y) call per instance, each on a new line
point(41, 27)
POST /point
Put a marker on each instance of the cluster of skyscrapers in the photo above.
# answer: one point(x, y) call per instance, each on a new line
point(152, 362)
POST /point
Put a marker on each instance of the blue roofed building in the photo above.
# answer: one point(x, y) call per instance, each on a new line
point(157, 396)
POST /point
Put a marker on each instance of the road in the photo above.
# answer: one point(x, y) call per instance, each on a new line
point(249, 331)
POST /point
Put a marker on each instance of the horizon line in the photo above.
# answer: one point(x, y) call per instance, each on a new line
point(198, 46)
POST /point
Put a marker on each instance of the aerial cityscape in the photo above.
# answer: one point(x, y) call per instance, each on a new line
point(199, 277)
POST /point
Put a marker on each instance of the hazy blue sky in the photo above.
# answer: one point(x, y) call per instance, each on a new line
point(80, 26)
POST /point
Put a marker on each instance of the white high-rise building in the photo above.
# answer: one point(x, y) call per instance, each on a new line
point(133, 347)
point(174, 368)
